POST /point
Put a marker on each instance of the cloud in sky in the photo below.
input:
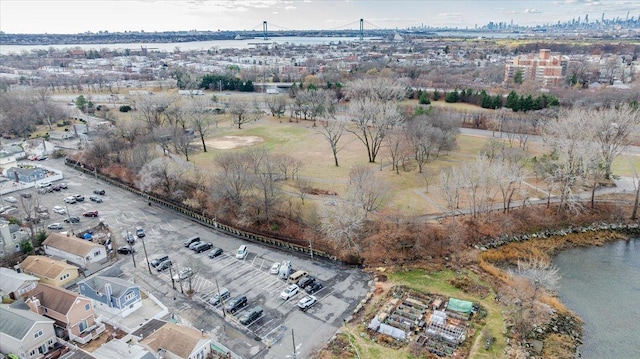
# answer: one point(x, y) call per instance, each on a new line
point(75, 16)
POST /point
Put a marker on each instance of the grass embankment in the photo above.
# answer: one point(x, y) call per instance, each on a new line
point(436, 283)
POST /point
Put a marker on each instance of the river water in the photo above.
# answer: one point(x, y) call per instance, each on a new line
point(602, 286)
point(187, 46)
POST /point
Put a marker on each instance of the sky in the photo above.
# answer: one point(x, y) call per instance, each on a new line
point(78, 16)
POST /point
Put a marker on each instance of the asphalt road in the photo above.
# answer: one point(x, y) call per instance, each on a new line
point(268, 337)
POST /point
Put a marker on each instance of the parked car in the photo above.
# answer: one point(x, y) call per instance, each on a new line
point(306, 302)
point(285, 270)
point(275, 268)
point(193, 245)
point(140, 232)
point(242, 252)
point(95, 198)
point(191, 240)
point(129, 238)
point(10, 199)
point(78, 197)
point(25, 195)
point(70, 200)
point(59, 210)
point(164, 265)
point(251, 315)
point(44, 185)
point(126, 250)
point(216, 252)
point(99, 191)
point(236, 304)
point(72, 219)
point(289, 292)
point(220, 297)
point(203, 246)
point(63, 185)
point(43, 190)
point(90, 214)
point(313, 287)
point(183, 274)
point(54, 226)
point(56, 188)
point(305, 281)
point(156, 262)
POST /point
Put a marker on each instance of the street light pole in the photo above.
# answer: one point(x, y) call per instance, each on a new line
point(131, 246)
point(66, 206)
point(144, 247)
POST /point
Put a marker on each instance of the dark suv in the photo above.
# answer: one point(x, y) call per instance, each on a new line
point(251, 315)
point(236, 304)
point(305, 281)
point(191, 241)
point(156, 262)
point(99, 191)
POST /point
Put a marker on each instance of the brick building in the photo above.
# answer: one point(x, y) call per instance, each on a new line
point(547, 69)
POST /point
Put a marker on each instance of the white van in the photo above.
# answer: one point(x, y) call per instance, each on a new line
point(242, 252)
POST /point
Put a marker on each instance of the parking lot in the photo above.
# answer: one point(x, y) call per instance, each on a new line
point(267, 337)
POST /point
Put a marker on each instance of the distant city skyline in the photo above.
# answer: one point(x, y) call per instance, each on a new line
point(79, 16)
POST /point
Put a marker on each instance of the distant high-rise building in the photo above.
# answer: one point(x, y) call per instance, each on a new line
point(546, 69)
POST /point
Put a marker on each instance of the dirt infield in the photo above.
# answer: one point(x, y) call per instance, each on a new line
point(229, 142)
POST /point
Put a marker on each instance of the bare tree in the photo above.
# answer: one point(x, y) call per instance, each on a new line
point(374, 111)
point(397, 147)
point(332, 130)
point(201, 118)
point(233, 180)
point(366, 190)
point(343, 225)
point(569, 138)
point(276, 104)
point(611, 128)
point(242, 113)
point(163, 175)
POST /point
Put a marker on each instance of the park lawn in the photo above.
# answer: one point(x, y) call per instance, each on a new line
point(438, 283)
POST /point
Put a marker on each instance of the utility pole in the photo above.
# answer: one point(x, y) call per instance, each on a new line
point(221, 300)
point(144, 247)
point(131, 247)
point(69, 217)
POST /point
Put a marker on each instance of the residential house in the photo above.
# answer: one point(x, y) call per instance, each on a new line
point(114, 295)
point(74, 250)
point(14, 284)
point(11, 153)
point(118, 349)
point(173, 341)
point(50, 271)
point(26, 175)
point(25, 334)
point(10, 237)
point(72, 312)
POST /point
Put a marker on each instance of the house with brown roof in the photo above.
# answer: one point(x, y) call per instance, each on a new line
point(75, 250)
point(173, 341)
point(72, 312)
point(50, 271)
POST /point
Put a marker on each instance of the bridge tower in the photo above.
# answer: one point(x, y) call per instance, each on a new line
point(264, 30)
point(361, 29)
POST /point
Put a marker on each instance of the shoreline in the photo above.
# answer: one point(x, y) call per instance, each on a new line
point(493, 260)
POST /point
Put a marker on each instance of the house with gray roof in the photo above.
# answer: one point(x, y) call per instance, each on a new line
point(112, 294)
point(14, 284)
point(25, 334)
point(26, 175)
